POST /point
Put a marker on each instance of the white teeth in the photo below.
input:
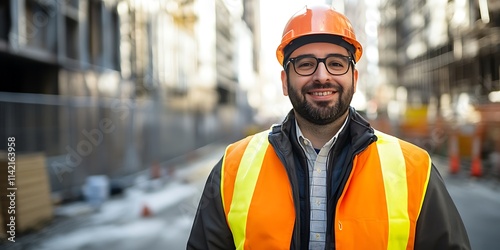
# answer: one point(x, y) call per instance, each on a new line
point(322, 93)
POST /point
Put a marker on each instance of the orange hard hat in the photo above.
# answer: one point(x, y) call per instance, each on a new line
point(318, 20)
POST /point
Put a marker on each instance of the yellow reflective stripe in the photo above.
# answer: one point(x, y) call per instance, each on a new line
point(244, 186)
point(222, 179)
point(396, 190)
point(427, 177)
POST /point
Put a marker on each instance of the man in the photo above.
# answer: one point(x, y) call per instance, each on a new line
point(324, 179)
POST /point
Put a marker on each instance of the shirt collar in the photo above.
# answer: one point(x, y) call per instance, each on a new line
point(306, 143)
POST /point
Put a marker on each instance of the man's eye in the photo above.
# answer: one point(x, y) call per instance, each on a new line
point(306, 63)
point(336, 64)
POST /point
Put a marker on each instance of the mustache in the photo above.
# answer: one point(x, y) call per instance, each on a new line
point(315, 86)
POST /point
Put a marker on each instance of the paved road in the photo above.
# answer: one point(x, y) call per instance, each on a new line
point(478, 201)
point(479, 205)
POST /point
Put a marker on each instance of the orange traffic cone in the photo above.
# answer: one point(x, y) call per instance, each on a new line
point(476, 165)
point(146, 211)
point(454, 155)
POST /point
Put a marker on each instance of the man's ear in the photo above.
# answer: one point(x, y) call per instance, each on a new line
point(355, 83)
point(284, 84)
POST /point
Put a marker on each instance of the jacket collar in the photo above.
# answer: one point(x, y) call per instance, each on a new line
point(357, 132)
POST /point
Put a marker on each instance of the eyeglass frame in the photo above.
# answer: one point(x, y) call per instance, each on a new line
point(350, 61)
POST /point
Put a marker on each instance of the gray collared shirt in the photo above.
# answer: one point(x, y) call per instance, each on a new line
point(317, 165)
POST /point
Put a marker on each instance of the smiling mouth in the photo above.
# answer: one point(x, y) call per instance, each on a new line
point(324, 93)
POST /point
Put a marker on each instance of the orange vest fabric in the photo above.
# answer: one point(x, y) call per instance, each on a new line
point(378, 208)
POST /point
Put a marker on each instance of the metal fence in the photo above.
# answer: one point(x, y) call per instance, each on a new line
point(120, 138)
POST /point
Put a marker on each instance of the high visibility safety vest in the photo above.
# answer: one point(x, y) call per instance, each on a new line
point(378, 208)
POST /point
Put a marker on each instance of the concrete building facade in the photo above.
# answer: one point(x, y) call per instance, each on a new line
point(114, 86)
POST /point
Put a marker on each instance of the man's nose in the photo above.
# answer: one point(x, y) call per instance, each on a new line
point(322, 74)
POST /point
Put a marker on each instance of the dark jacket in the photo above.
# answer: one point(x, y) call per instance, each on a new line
point(439, 225)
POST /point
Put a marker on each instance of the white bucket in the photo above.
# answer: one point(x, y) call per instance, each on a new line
point(96, 190)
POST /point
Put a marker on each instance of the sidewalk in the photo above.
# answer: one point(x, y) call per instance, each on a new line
point(77, 225)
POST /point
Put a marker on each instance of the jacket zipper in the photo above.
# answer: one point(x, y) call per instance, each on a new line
point(296, 200)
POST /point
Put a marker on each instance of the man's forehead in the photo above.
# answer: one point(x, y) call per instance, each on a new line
point(320, 49)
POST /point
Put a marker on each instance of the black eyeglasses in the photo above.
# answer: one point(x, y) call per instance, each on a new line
point(335, 64)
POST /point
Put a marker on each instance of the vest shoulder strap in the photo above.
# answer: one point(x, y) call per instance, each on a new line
point(399, 170)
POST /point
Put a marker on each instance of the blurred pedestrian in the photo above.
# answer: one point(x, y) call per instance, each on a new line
point(324, 178)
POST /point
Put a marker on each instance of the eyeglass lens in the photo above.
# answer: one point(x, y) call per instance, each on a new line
point(335, 64)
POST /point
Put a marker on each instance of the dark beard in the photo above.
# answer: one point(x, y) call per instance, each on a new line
point(320, 113)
